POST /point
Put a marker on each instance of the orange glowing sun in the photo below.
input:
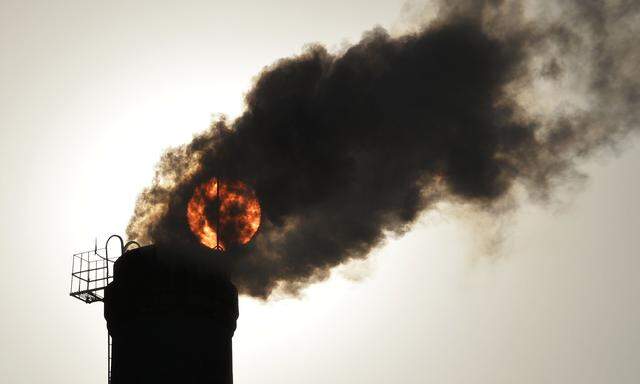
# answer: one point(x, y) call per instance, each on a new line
point(223, 214)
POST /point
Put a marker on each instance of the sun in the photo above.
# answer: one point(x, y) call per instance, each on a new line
point(223, 213)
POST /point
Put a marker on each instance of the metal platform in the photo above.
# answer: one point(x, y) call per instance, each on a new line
point(91, 271)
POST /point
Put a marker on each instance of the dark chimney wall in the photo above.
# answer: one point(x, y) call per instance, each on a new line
point(170, 322)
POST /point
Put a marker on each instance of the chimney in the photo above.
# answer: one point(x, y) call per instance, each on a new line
point(171, 319)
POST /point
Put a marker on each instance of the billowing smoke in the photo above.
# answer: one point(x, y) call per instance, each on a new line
point(345, 148)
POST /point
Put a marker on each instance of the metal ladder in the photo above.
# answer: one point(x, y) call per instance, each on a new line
point(109, 358)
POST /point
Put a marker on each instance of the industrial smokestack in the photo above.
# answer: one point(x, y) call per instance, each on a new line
point(171, 317)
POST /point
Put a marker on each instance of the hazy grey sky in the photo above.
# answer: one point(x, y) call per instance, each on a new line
point(92, 93)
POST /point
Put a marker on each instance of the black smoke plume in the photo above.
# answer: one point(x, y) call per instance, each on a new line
point(345, 148)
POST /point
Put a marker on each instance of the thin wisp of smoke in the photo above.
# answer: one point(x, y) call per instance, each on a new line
point(343, 148)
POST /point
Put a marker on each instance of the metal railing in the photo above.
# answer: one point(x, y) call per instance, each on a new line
point(92, 271)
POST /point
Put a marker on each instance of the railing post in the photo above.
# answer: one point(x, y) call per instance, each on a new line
point(106, 251)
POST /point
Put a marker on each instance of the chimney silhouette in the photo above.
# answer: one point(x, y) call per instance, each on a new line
point(171, 318)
